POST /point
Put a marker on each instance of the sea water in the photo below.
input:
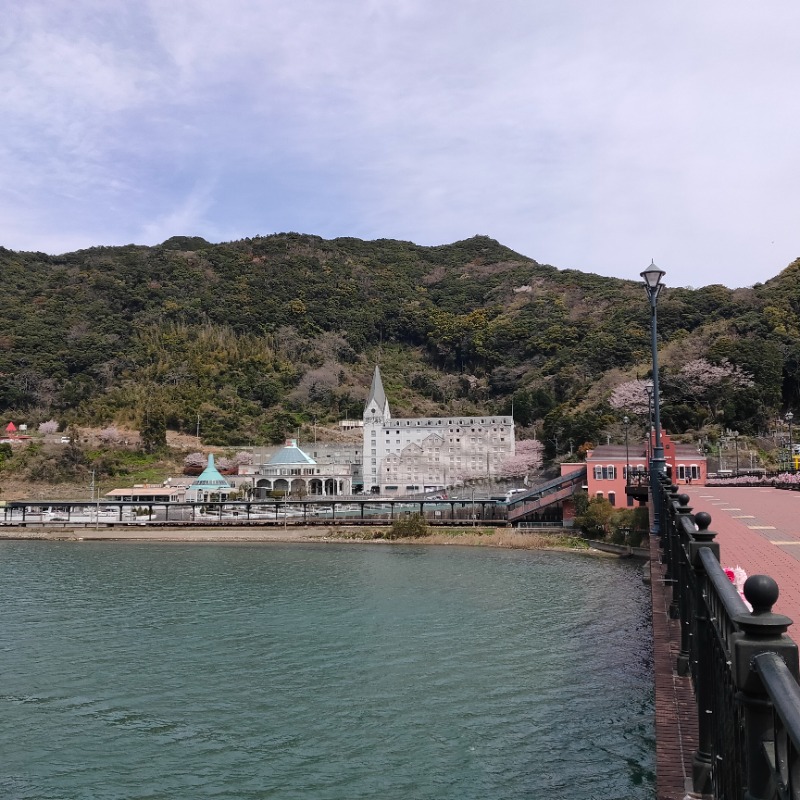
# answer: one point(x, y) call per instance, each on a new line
point(322, 672)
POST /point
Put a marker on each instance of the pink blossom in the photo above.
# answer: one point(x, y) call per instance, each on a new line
point(630, 396)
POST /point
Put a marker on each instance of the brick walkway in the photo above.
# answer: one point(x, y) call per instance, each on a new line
point(758, 529)
point(676, 713)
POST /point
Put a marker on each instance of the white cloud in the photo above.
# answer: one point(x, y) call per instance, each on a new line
point(591, 136)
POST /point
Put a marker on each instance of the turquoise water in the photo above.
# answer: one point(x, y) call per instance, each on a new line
point(321, 672)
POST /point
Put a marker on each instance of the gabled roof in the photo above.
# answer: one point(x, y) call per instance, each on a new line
point(210, 479)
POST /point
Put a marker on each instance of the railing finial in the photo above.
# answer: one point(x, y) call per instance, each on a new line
point(761, 592)
point(702, 519)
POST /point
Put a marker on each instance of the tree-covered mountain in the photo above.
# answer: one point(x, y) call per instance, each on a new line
point(263, 335)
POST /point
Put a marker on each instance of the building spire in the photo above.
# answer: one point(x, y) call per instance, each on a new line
point(376, 404)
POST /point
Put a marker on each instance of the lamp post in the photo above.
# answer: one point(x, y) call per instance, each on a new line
point(652, 282)
point(626, 421)
point(735, 435)
point(648, 388)
point(789, 417)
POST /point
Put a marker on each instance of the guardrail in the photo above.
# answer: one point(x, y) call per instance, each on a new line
point(743, 665)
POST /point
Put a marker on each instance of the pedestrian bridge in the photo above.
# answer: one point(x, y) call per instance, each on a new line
point(526, 506)
point(727, 694)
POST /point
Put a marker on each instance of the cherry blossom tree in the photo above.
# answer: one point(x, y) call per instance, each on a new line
point(51, 426)
point(701, 375)
point(226, 465)
point(526, 459)
point(243, 459)
point(701, 383)
point(630, 396)
point(110, 435)
point(194, 464)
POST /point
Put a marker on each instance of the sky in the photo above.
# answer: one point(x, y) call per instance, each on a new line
point(587, 135)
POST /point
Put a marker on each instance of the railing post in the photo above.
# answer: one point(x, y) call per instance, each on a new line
point(679, 504)
point(701, 632)
point(667, 528)
point(682, 588)
point(762, 632)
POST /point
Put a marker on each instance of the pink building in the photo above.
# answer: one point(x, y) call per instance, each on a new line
point(607, 469)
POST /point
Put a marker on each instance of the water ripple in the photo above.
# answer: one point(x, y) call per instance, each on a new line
point(145, 671)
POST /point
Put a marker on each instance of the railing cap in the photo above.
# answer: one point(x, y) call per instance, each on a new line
point(762, 593)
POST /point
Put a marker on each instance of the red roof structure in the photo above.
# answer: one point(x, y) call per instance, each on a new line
point(11, 427)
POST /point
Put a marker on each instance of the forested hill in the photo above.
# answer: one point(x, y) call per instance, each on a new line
point(264, 335)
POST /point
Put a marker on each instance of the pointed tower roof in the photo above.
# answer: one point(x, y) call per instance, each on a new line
point(210, 479)
point(376, 392)
point(377, 406)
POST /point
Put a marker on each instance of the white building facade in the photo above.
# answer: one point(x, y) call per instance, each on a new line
point(407, 456)
point(293, 472)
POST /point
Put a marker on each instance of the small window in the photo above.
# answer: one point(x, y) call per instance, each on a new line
point(612, 498)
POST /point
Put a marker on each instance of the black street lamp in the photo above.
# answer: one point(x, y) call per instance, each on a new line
point(652, 283)
point(789, 417)
point(736, 445)
point(626, 421)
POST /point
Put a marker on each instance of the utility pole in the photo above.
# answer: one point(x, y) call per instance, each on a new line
point(97, 507)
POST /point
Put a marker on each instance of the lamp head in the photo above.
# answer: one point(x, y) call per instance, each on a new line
point(625, 420)
point(789, 416)
point(652, 275)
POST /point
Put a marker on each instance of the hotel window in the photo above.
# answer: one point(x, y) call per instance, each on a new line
point(695, 472)
point(681, 472)
point(598, 472)
point(612, 498)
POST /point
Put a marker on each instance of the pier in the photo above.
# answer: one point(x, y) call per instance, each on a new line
point(727, 695)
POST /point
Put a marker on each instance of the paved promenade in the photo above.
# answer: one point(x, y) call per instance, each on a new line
point(758, 529)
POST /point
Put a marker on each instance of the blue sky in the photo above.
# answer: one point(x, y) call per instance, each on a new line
point(587, 135)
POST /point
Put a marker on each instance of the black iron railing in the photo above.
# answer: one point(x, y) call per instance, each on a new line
point(743, 665)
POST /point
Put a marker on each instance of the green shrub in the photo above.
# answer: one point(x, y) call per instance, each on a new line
point(413, 526)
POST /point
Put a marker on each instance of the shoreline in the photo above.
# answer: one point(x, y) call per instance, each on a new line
point(492, 537)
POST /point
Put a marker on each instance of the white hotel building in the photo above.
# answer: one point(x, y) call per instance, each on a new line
point(405, 456)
